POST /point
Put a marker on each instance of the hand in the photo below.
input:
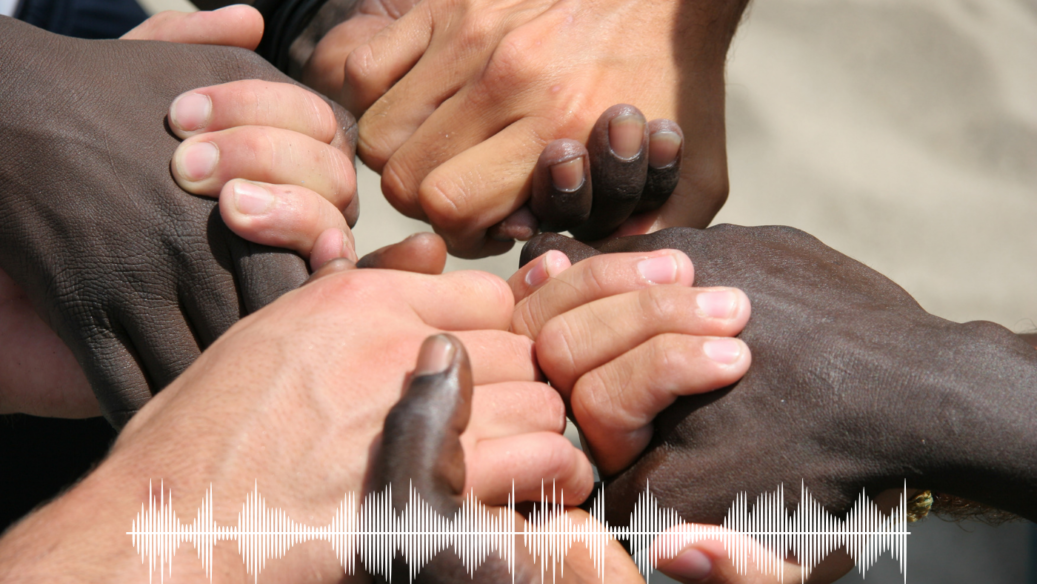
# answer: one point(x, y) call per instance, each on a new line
point(279, 157)
point(622, 336)
point(841, 358)
point(133, 274)
point(293, 399)
point(521, 76)
point(423, 449)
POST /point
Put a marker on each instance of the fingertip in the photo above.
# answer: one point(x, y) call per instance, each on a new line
point(665, 143)
point(549, 265)
point(331, 244)
point(691, 565)
point(561, 197)
point(190, 113)
point(335, 266)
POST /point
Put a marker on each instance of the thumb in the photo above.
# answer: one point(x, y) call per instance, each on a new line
point(421, 440)
point(237, 25)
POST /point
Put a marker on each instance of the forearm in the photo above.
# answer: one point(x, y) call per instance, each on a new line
point(81, 536)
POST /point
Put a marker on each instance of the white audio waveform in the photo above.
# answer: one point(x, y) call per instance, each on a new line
point(376, 532)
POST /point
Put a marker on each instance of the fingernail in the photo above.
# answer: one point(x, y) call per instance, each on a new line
point(625, 135)
point(723, 351)
point(659, 270)
point(199, 160)
point(191, 111)
point(553, 263)
point(663, 147)
point(252, 199)
point(437, 353)
point(690, 565)
point(568, 176)
point(719, 304)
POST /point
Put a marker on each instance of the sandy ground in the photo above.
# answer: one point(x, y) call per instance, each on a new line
point(903, 133)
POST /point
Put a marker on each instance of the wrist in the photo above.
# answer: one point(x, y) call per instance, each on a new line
point(970, 430)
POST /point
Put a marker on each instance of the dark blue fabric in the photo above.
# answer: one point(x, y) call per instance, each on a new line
point(88, 19)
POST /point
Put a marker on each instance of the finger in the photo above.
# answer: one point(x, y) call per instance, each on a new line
point(325, 70)
point(619, 164)
point(424, 253)
point(234, 26)
point(163, 342)
point(529, 461)
point(615, 404)
point(462, 300)
point(472, 191)
point(561, 196)
point(204, 164)
point(665, 151)
point(414, 77)
point(687, 555)
point(599, 277)
point(499, 357)
point(510, 408)
point(572, 343)
point(575, 250)
point(213, 308)
point(335, 266)
point(521, 225)
point(289, 217)
point(263, 273)
point(535, 274)
point(371, 69)
point(253, 102)
point(421, 447)
point(421, 439)
point(108, 363)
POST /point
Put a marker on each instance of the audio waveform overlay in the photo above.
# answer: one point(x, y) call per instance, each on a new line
point(372, 532)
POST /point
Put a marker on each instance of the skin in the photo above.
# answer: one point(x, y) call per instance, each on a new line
point(132, 326)
point(524, 74)
point(853, 386)
point(303, 418)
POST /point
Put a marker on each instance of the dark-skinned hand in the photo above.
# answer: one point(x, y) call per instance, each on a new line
point(135, 275)
point(853, 386)
point(421, 448)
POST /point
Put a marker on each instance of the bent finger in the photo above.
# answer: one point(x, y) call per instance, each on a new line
point(665, 151)
point(510, 408)
point(600, 277)
point(528, 462)
point(572, 343)
point(536, 273)
point(615, 404)
point(618, 147)
point(424, 253)
point(232, 26)
point(253, 102)
point(203, 164)
point(287, 216)
point(562, 197)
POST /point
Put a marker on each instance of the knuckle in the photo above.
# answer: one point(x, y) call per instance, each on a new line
point(372, 147)
point(596, 401)
point(478, 30)
point(444, 202)
point(555, 351)
point(361, 69)
point(514, 63)
point(662, 304)
point(396, 191)
point(667, 360)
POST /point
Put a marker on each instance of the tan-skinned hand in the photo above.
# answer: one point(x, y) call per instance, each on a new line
point(459, 98)
point(293, 398)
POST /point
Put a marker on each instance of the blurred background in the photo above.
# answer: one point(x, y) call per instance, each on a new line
point(902, 133)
